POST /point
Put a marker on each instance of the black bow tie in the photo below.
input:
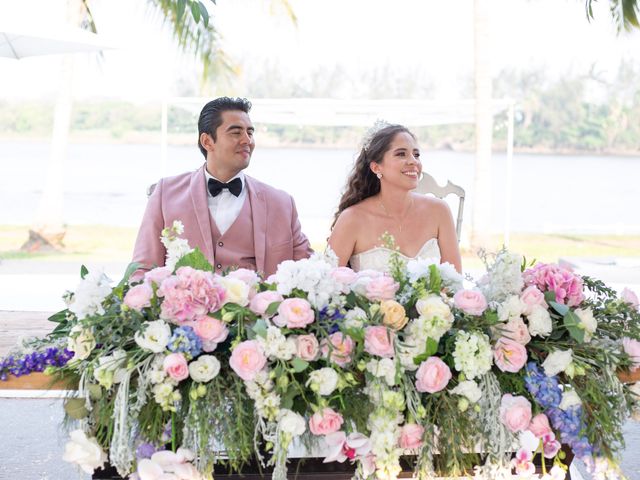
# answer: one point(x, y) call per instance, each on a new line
point(215, 186)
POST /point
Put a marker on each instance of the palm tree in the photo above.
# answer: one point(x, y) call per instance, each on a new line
point(624, 13)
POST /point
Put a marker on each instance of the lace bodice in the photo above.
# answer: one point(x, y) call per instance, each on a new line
point(377, 258)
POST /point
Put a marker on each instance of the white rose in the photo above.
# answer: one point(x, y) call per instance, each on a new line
point(468, 389)
point(236, 291)
point(84, 452)
point(355, 318)
point(204, 369)
point(291, 422)
point(540, 322)
point(432, 306)
point(512, 307)
point(587, 321)
point(325, 380)
point(569, 399)
point(557, 362)
point(155, 336)
point(81, 342)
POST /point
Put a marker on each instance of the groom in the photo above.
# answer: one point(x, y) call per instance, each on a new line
point(235, 220)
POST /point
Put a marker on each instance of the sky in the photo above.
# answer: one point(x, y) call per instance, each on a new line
point(432, 37)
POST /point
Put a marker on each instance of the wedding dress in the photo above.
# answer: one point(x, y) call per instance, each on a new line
point(377, 258)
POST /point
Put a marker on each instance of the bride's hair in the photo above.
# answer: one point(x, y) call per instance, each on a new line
point(362, 182)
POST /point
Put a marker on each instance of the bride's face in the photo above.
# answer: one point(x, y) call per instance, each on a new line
point(401, 163)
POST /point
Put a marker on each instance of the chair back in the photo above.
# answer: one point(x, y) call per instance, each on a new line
point(428, 185)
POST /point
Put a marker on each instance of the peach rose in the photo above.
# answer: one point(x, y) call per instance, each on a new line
point(138, 297)
point(380, 288)
point(539, 425)
point(261, 301)
point(307, 347)
point(341, 348)
point(294, 313)
point(247, 359)
point(175, 365)
point(471, 302)
point(432, 375)
point(378, 340)
point(509, 355)
point(211, 329)
point(325, 422)
point(515, 412)
point(411, 436)
point(395, 316)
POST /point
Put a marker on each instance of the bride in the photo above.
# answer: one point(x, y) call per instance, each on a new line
point(379, 199)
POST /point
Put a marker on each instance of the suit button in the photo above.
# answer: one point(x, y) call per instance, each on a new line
point(218, 266)
point(220, 244)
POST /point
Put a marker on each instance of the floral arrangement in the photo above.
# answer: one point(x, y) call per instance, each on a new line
point(181, 368)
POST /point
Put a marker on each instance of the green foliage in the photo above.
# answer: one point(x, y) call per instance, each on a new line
point(195, 259)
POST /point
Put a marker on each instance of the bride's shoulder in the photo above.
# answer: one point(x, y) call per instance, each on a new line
point(431, 205)
point(356, 214)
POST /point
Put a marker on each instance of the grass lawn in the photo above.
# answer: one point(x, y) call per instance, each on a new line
point(105, 243)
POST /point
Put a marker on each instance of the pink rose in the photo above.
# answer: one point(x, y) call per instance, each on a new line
point(632, 348)
point(471, 302)
point(338, 348)
point(378, 340)
point(307, 347)
point(211, 329)
point(432, 375)
point(294, 313)
point(175, 365)
point(509, 355)
point(515, 412)
point(157, 275)
point(261, 301)
point(247, 359)
point(530, 297)
point(249, 277)
point(629, 296)
point(380, 288)
point(411, 436)
point(325, 422)
point(138, 297)
point(516, 330)
point(344, 276)
point(539, 425)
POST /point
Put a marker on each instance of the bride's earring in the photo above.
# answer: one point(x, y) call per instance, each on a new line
point(379, 175)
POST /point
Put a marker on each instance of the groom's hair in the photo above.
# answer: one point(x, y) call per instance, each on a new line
point(211, 116)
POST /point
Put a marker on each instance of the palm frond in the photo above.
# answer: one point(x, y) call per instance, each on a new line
point(624, 13)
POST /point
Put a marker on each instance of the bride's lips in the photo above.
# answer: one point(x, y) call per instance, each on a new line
point(411, 173)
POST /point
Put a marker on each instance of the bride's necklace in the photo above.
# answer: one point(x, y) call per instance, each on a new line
point(404, 216)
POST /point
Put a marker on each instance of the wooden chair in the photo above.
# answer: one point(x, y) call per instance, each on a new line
point(428, 185)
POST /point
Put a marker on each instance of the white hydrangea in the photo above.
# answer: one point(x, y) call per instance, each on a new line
point(503, 277)
point(276, 345)
point(155, 372)
point(311, 275)
point(468, 389)
point(324, 381)
point(434, 321)
point(472, 354)
point(89, 295)
point(384, 368)
point(176, 247)
point(420, 268)
point(511, 308)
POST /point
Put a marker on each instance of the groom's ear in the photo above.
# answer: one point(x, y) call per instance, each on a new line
point(207, 142)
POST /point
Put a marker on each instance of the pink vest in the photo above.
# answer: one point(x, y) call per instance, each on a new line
point(235, 248)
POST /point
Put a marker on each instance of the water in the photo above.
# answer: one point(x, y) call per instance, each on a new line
point(106, 184)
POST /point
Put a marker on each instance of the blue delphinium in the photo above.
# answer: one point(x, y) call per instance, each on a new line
point(185, 340)
point(331, 317)
point(34, 362)
point(546, 390)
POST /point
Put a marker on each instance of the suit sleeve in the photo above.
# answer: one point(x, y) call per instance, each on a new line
point(148, 249)
point(301, 247)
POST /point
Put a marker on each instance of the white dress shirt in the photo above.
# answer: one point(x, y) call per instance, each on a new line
point(225, 207)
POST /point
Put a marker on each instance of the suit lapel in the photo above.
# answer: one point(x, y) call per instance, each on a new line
point(259, 218)
point(201, 208)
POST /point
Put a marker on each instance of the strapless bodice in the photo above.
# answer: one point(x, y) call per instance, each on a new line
point(377, 258)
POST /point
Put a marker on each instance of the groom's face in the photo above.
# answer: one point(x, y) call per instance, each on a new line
point(231, 151)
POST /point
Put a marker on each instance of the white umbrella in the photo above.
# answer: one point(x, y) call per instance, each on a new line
point(18, 42)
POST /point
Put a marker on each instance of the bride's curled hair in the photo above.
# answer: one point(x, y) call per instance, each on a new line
point(362, 182)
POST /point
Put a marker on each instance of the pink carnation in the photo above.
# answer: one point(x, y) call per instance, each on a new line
point(294, 313)
point(433, 375)
point(515, 412)
point(247, 359)
point(471, 302)
point(381, 288)
point(175, 365)
point(378, 340)
point(189, 294)
point(138, 297)
point(211, 329)
point(411, 436)
point(632, 348)
point(325, 422)
point(509, 355)
point(566, 285)
point(338, 348)
point(539, 425)
point(261, 301)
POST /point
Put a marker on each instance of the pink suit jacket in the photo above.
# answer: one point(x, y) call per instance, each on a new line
point(277, 235)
